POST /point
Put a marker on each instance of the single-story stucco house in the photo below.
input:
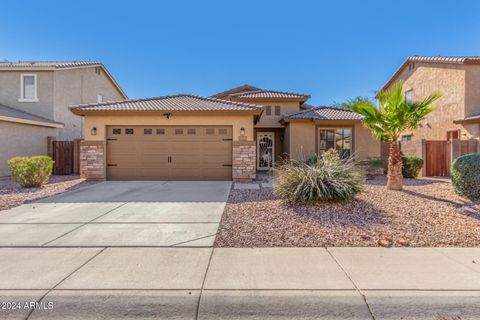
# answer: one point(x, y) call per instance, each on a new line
point(227, 136)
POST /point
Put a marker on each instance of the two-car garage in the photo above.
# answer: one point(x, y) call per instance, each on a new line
point(181, 137)
point(169, 152)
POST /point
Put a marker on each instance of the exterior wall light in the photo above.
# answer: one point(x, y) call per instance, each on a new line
point(242, 131)
point(167, 115)
point(93, 131)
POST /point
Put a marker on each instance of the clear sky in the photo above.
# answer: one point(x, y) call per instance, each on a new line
point(332, 50)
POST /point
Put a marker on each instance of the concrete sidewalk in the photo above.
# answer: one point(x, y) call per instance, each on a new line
point(246, 283)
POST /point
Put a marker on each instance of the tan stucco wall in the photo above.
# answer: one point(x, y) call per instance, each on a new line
point(21, 140)
point(237, 121)
point(273, 120)
point(76, 86)
point(472, 90)
point(10, 91)
point(461, 96)
point(302, 139)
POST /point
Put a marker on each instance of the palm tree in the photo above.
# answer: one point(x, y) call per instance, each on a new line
point(388, 123)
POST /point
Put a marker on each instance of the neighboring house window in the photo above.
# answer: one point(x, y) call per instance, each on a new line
point(99, 98)
point(409, 96)
point(28, 88)
point(277, 110)
point(453, 135)
point(407, 137)
point(268, 110)
point(339, 139)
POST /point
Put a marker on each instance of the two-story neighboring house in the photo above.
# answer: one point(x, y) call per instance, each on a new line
point(458, 111)
point(34, 101)
point(227, 136)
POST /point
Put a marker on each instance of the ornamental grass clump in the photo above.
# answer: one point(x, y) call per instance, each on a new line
point(31, 172)
point(325, 178)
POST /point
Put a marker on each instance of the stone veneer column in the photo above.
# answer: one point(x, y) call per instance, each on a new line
point(244, 160)
point(93, 160)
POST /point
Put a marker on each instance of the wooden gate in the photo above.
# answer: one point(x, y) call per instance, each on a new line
point(437, 162)
point(63, 156)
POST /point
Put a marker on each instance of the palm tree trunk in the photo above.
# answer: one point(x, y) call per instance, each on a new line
point(394, 168)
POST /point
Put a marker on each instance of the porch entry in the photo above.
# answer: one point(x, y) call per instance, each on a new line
point(265, 150)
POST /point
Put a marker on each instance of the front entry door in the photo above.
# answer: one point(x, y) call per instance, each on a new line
point(265, 150)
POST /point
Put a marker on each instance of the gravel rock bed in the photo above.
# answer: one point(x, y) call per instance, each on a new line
point(12, 195)
point(425, 214)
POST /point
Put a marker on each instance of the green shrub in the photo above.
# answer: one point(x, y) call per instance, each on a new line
point(330, 178)
point(31, 172)
point(465, 172)
point(412, 165)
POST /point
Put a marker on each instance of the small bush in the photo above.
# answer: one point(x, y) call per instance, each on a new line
point(31, 172)
point(412, 165)
point(465, 172)
point(329, 178)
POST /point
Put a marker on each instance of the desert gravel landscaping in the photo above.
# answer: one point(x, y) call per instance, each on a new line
point(12, 195)
point(426, 213)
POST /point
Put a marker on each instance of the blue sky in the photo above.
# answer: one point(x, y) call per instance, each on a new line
point(332, 50)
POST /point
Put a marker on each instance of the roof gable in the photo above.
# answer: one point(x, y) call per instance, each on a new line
point(58, 65)
point(465, 60)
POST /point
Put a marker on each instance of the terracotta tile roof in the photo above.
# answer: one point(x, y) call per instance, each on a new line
point(324, 113)
point(49, 64)
point(15, 115)
point(432, 59)
point(226, 93)
point(270, 94)
point(181, 102)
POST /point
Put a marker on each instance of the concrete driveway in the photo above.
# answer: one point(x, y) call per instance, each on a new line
point(120, 214)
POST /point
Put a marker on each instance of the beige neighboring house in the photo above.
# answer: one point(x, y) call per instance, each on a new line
point(34, 100)
point(228, 136)
point(458, 111)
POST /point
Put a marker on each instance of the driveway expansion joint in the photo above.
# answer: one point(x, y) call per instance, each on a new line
point(65, 278)
point(84, 224)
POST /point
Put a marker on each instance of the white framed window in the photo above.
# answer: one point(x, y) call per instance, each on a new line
point(99, 98)
point(407, 137)
point(28, 88)
point(409, 96)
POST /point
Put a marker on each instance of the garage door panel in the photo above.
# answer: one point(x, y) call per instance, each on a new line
point(169, 153)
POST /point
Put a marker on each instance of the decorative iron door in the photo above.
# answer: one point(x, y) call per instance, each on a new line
point(265, 150)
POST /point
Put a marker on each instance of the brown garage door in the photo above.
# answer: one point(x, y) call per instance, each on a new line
point(169, 153)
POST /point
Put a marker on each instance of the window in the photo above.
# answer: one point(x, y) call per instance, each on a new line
point(408, 96)
point(453, 134)
point(407, 137)
point(191, 131)
point(210, 131)
point(339, 139)
point(129, 131)
point(28, 88)
point(160, 131)
point(147, 131)
point(99, 98)
point(277, 110)
point(222, 131)
point(178, 131)
point(98, 70)
point(117, 131)
point(411, 66)
point(268, 110)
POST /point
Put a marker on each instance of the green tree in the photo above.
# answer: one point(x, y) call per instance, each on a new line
point(387, 123)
